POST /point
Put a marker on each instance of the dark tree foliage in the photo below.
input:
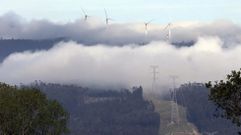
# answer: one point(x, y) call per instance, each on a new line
point(227, 96)
point(105, 112)
point(27, 111)
point(200, 110)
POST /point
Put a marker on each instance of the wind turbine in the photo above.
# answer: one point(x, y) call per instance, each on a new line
point(146, 26)
point(107, 19)
point(85, 15)
point(169, 34)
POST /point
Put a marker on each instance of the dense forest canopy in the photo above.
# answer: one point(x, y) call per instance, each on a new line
point(104, 112)
point(27, 111)
point(226, 95)
point(201, 111)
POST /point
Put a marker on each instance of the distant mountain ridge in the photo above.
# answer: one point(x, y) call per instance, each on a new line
point(9, 46)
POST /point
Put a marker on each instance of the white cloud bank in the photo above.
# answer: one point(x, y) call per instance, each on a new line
point(94, 31)
point(109, 66)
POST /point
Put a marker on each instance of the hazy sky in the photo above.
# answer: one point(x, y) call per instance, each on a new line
point(127, 10)
point(128, 65)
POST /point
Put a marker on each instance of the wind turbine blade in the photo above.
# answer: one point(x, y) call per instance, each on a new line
point(111, 19)
point(166, 27)
point(146, 32)
point(106, 15)
point(150, 21)
point(83, 11)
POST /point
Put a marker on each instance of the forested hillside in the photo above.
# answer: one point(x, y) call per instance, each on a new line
point(201, 111)
point(105, 112)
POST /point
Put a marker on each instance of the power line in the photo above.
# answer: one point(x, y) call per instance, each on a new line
point(154, 76)
point(174, 78)
point(169, 34)
point(174, 106)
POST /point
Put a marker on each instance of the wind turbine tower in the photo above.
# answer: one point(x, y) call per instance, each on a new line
point(146, 26)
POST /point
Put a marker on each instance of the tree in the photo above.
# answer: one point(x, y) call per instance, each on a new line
point(25, 111)
point(226, 95)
